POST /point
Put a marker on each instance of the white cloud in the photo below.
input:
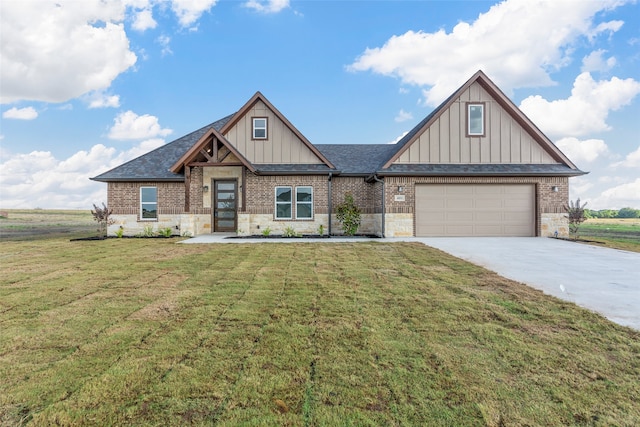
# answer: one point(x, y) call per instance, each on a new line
point(42, 58)
point(164, 41)
point(624, 195)
point(143, 20)
point(403, 116)
point(268, 6)
point(101, 100)
point(595, 62)
point(517, 43)
point(27, 113)
point(38, 179)
point(395, 141)
point(586, 110)
point(582, 151)
point(631, 161)
point(189, 11)
point(129, 125)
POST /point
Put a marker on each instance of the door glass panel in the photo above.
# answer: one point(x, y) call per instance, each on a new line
point(229, 186)
point(228, 204)
point(226, 223)
point(226, 214)
point(226, 196)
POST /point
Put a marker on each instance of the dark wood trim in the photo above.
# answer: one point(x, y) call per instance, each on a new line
point(187, 188)
point(266, 128)
point(214, 164)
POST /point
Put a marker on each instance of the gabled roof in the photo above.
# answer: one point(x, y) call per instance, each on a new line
point(201, 143)
point(156, 164)
point(504, 102)
point(260, 97)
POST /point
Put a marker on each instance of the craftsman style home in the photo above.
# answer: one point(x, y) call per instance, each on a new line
point(476, 166)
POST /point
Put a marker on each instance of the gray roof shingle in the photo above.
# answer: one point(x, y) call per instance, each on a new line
point(154, 166)
point(356, 159)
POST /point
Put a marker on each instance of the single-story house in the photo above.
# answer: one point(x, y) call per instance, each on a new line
point(475, 166)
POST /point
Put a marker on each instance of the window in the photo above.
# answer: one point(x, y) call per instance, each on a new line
point(304, 203)
point(283, 202)
point(148, 203)
point(475, 119)
point(259, 128)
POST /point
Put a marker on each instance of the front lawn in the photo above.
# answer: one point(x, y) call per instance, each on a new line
point(149, 332)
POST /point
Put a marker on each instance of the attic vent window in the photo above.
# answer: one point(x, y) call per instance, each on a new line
point(475, 119)
point(259, 128)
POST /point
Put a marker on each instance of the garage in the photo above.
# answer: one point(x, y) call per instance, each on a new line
point(475, 210)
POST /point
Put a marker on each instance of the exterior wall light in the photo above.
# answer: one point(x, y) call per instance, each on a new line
point(400, 188)
point(205, 188)
point(554, 188)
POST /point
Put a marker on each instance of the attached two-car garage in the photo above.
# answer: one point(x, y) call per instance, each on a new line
point(475, 210)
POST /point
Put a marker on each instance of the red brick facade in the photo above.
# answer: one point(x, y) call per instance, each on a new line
point(259, 193)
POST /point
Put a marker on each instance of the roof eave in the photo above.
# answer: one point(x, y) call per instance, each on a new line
point(147, 179)
point(571, 173)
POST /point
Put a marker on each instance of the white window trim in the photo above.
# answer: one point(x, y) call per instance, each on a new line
point(142, 218)
point(291, 202)
point(481, 105)
point(304, 203)
point(254, 128)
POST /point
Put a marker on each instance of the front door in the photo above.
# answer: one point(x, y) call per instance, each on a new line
point(225, 205)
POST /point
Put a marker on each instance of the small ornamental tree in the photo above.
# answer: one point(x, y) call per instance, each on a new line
point(103, 217)
point(348, 214)
point(576, 216)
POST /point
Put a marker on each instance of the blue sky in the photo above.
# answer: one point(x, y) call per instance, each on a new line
point(86, 85)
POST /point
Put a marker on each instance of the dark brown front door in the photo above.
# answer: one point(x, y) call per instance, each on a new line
point(225, 202)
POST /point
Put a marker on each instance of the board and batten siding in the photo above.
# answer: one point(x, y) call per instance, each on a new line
point(281, 146)
point(505, 141)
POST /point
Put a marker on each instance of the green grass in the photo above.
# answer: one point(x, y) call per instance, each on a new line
point(614, 233)
point(149, 332)
point(33, 224)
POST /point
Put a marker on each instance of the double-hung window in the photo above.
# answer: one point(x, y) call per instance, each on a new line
point(475, 119)
point(304, 202)
point(148, 203)
point(283, 202)
point(259, 128)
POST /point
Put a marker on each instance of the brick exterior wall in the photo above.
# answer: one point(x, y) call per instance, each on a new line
point(260, 192)
point(367, 196)
point(124, 197)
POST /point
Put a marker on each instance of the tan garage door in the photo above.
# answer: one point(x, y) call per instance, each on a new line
point(475, 210)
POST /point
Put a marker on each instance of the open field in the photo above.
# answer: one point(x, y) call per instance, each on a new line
point(618, 233)
point(23, 224)
point(149, 332)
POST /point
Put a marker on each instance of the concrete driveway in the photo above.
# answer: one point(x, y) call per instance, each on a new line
point(603, 280)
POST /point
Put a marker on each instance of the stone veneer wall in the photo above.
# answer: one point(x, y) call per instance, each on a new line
point(549, 204)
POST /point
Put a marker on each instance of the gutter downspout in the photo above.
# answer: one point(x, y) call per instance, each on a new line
point(375, 178)
point(330, 201)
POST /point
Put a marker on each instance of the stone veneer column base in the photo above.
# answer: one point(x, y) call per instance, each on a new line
point(552, 222)
point(398, 225)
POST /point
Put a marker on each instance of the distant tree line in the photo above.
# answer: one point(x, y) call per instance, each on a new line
point(612, 213)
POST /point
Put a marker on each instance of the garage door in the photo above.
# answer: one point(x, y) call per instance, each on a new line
point(475, 210)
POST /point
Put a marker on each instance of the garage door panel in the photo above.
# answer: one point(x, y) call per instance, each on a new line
point(459, 204)
point(475, 210)
point(489, 203)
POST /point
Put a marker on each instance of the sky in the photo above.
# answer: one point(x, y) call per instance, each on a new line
point(86, 85)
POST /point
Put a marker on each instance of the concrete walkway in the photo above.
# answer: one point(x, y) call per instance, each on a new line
point(603, 280)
